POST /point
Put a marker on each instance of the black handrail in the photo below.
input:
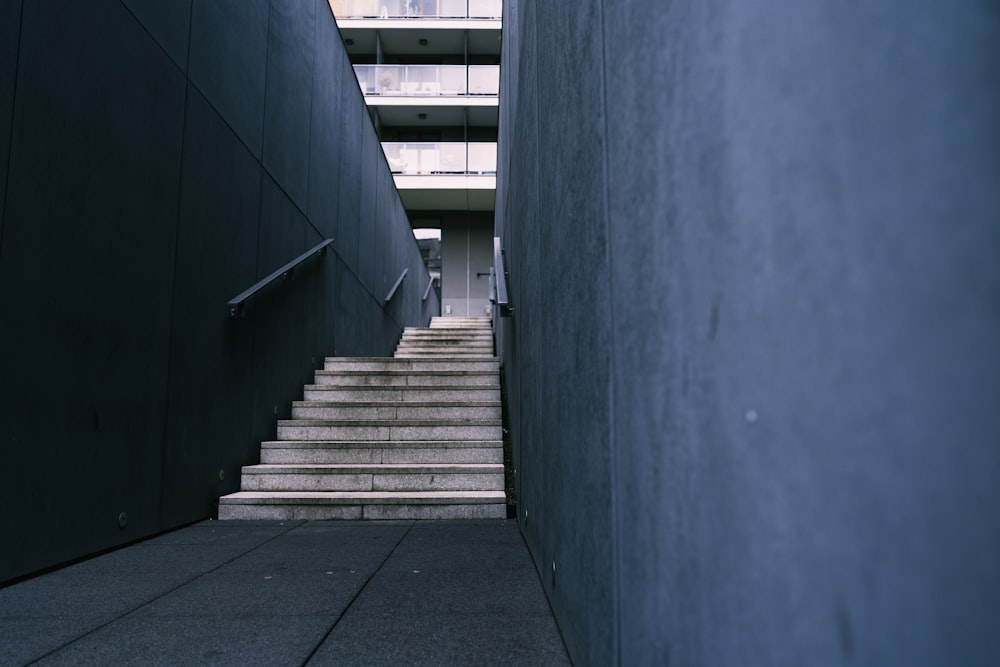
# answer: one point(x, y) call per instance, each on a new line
point(500, 279)
point(236, 304)
point(395, 286)
point(428, 290)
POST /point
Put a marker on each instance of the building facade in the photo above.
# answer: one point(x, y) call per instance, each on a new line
point(430, 74)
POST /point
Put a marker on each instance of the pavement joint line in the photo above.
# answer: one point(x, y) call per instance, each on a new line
point(126, 614)
point(361, 590)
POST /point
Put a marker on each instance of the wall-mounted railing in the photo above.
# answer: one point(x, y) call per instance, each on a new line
point(237, 304)
point(421, 9)
point(395, 286)
point(427, 291)
point(442, 157)
point(429, 80)
point(498, 281)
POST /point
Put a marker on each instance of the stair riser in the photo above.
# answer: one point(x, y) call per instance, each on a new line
point(375, 455)
point(418, 365)
point(377, 412)
point(455, 338)
point(447, 340)
point(432, 346)
point(390, 433)
point(331, 393)
point(416, 379)
point(357, 512)
point(372, 482)
point(430, 356)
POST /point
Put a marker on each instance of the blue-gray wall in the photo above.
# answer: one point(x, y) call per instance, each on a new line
point(156, 158)
point(754, 364)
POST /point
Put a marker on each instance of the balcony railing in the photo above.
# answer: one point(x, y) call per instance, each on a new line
point(401, 9)
point(428, 80)
point(443, 157)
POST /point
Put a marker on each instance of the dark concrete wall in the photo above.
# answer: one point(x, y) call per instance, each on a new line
point(754, 365)
point(156, 159)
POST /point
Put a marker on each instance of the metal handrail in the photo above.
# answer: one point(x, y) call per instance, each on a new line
point(428, 290)
point(500, 280)
point(236, 304)
point(395, 286)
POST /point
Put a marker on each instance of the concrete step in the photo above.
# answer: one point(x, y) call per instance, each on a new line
point(447, 336)
point(415, 394)
point(440, 345)
point(405, 378)
point(447, 342)
point(446, 410)
point(474, 322)
point(374, 451)
point(444, 331)
point(462, 323)
point(491, 365)
point(389, 429)
point(473, 354)
point(416, 436)
point(362, 477)
point(375, 505)
point(404, 354)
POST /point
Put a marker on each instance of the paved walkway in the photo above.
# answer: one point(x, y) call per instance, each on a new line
point(292, 593)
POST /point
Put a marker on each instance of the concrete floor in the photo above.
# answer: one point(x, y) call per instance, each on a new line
point(292, 593)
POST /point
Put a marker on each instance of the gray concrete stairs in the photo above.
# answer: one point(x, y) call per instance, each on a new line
point(414, 436)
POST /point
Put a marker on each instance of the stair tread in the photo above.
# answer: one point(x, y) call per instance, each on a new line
point(396, 404)
point(385, 444)
point(415, 387)
point(404, 372)
point(385, 497)
point(377, 468)
point(454, 356)
point(486, 421)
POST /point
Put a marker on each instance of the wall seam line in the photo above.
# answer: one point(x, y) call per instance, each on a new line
point(616, 642)
point(173, 280)
point(10, 128)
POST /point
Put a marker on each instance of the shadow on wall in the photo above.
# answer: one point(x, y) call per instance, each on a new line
point(151, 176)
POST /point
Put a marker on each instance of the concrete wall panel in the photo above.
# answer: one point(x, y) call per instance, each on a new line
point(781, 407)
point(169, 23)
point(279, 316)
point(10, 36)
point(288, 107)
point(368, 211)
point(325, 135)
point(211, 354)
point(88, 250)
point(349, 187)
point(228, 62)
point(138, 205)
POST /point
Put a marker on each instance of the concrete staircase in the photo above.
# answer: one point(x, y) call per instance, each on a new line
point(415, 436)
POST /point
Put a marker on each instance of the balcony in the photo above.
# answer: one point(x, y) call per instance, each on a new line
point(429, 80)
point(441, 158)
point(444, 175)
point(417, 9)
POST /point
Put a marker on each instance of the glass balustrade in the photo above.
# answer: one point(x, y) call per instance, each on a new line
point(484, 79)
point(428, 80)
point(438, 9)
point(442, 157)
point(485, 9)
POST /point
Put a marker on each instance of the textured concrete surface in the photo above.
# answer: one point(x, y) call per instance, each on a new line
point(292, 593)
point(156, 159)
point(753, 367)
